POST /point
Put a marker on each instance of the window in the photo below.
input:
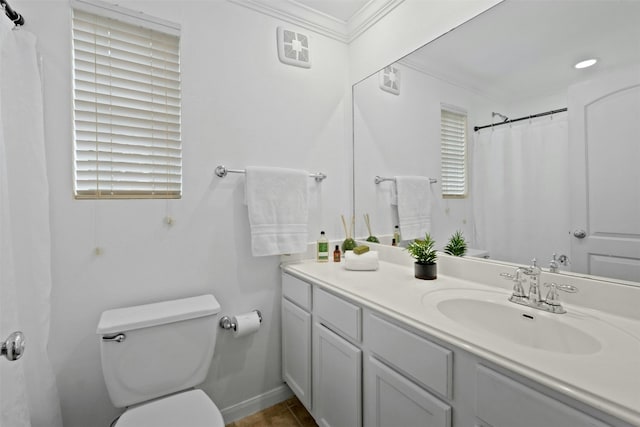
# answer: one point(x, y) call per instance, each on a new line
point(126, 93)
point(453, 149)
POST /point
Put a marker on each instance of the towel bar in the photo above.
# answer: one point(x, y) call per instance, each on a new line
point(222, 171)
point(378, 179)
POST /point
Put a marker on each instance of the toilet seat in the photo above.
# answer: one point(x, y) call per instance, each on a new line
point(191, 408)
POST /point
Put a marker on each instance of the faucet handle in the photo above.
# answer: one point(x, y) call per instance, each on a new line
point(518, 290)
point(570, 289)
point(553, 298)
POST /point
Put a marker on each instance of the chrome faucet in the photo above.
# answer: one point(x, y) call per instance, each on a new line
point(532, 298)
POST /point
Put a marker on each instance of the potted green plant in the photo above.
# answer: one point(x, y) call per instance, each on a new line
point(422, 250)
point(457, 246)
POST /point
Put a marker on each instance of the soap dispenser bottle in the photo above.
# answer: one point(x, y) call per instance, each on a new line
point(322, 253)
point(336, 254)
point(396, 234)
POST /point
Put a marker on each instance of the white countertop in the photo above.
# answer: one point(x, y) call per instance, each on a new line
point(608, 380)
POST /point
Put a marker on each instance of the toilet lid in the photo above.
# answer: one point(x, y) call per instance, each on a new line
point(191, 408)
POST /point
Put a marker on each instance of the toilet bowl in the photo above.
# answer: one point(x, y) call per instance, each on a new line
point(153, 355)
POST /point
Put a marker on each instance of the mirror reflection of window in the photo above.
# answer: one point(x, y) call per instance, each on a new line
point(453, 152)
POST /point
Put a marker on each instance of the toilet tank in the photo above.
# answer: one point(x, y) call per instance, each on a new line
point(152, 350)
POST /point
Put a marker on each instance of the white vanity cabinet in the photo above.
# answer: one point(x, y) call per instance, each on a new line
point(355, 365)
point(402, 371)
point(296, 337)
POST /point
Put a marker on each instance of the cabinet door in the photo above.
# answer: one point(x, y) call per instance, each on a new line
point(296, 351)
point(337, 373)
point(393, 400)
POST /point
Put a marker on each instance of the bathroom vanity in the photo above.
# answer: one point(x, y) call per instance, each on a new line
point(382, 348)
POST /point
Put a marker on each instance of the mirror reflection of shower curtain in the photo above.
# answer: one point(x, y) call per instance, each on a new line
point(27, 385)
point(520, 185)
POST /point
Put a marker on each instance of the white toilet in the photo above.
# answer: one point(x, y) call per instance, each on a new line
point(152, 357)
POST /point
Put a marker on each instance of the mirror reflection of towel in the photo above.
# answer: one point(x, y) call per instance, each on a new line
point(412, 197)
point(277, 201)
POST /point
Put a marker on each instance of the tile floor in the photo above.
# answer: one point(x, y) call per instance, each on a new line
point(290, 413)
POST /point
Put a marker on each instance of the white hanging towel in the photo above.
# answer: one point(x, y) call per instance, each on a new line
point(414, 206)
point(278, 210)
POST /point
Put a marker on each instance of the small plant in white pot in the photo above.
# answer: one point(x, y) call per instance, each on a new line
point(423, 251)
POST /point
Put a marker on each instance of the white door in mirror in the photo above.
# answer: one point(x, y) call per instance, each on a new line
point(603, 125)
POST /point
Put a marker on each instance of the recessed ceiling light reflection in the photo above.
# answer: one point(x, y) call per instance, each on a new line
point(586, 63)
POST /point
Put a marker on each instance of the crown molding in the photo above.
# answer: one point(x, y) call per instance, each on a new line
point(421, 68)
point(368, 16)
point(305, 17)
point(300, 15)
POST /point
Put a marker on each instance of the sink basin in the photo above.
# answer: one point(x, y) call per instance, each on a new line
point(491, 313)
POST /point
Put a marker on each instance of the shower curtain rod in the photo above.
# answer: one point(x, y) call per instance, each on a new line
point(15, 17)
point(546, 113)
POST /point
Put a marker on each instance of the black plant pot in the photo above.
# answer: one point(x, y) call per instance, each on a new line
point(426, 271)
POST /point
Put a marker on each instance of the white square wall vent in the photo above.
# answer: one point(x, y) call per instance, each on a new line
point(390, 80)
point(293, 48)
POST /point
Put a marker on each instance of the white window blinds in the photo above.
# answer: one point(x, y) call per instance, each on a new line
point(126, 109)
point(453, 146)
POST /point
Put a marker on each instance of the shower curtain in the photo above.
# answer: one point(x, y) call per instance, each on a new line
point(520, 184)
point(27, 386)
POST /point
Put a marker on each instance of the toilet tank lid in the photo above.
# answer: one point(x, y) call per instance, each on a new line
point(159, 313)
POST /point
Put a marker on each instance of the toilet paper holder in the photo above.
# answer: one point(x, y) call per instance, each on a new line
point(227, 322)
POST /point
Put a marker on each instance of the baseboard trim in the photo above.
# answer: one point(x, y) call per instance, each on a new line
point(256, 403)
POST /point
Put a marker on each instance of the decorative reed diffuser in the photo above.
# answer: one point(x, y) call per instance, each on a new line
point(348, 243)
point(371, 238)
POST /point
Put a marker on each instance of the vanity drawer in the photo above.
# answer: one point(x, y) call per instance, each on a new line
point(338, 314)
point(503, 402)
point(419, 359)
point(296, 291)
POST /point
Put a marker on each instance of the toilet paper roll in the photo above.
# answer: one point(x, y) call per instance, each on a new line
point(246, 324)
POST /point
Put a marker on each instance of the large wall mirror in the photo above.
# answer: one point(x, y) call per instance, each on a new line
point(564, 180)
